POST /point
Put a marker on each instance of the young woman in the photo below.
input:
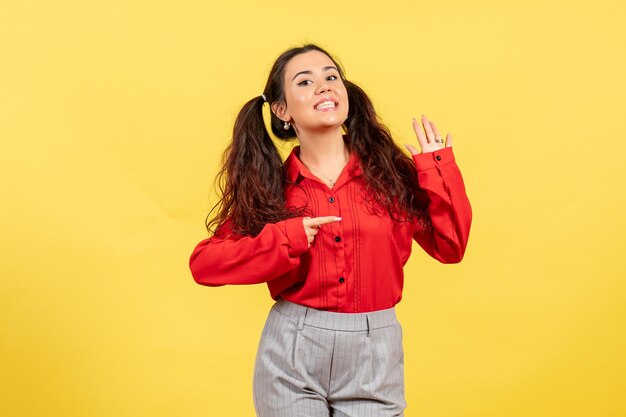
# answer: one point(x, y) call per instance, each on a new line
point(329, 230)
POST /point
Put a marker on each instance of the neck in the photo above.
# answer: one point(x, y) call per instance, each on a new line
point(323, 150)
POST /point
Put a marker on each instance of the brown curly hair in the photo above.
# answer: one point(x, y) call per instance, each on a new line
point(252, 180)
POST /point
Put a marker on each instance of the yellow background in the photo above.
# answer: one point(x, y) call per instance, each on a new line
point(113, 117)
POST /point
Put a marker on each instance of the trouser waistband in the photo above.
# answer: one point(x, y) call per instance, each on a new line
point(333, 320)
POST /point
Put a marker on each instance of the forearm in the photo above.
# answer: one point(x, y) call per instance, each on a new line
point(249, 260)
point(449, 207)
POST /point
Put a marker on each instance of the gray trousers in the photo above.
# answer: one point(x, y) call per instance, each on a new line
point(314, 363)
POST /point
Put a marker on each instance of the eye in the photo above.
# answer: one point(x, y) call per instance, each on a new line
point(330, 77)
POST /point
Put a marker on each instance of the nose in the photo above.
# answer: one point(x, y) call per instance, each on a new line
point(323, 86)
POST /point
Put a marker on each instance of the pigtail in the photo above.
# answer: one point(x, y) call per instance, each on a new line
point(389, 173)
point(251, 181)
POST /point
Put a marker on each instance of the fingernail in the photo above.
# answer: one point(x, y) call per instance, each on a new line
point(337, 218)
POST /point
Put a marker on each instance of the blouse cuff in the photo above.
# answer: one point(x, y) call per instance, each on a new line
point(427, 160)
point(294, 229)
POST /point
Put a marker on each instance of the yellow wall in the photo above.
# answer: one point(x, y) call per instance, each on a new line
point(113, 116)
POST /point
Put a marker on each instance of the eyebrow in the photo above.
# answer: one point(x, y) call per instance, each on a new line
point(311, 72)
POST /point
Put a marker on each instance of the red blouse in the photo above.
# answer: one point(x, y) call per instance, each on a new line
point(355, 264)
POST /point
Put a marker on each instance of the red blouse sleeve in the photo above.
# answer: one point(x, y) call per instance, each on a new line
point(449, 207)
point(275, 250)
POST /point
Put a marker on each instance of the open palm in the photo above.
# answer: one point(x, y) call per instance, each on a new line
point(427, 141)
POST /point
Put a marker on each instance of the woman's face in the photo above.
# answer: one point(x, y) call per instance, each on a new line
point(315, 95)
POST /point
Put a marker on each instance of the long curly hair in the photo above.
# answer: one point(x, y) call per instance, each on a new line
point(252, 180)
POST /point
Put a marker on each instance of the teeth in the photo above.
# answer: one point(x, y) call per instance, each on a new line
point(325, 105)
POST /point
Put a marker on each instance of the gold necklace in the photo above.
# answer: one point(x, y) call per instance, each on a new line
point(332, 182)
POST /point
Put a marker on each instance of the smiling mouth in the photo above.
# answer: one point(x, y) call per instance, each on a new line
point(326, 105)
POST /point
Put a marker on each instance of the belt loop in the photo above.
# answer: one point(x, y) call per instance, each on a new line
point(369, 329)
point(301, 319)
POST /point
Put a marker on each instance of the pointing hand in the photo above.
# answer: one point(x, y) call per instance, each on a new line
point(312, 225)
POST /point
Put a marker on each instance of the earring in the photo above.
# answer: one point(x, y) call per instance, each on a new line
point(286, 126)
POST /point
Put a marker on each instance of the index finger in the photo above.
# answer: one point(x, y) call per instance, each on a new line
point(421, 137)
point(317, 221)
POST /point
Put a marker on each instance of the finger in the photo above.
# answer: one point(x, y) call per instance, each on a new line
point(421, 137)
point(318, 221)
point(429, 131)
point(411, 149)
point(449, 140)
point(434, 128)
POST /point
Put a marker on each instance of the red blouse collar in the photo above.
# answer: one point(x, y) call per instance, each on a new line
point(294, 166)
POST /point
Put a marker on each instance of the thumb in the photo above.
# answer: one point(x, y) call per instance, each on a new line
point(411, 149)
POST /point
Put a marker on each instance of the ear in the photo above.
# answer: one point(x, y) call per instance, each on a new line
point(280, 110)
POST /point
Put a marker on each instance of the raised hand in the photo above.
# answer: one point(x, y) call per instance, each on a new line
point(312, 225)
point(429, 142)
